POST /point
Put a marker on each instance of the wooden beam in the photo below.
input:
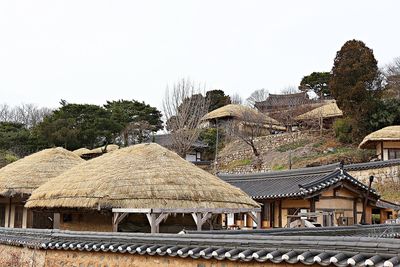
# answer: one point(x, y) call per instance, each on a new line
point(117, 218)
point(191, 210)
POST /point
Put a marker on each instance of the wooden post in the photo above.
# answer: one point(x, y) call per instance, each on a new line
point(355, 210)
point(24, 217)
point(12, 216)
point(280, 213)
point(56, 221)
point(155, 221)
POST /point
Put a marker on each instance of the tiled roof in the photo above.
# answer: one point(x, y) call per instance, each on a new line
point(291, 184)
point(372, 165)
point(276, 100)
point(165, 140)
point(376, 231)
point(340, 251)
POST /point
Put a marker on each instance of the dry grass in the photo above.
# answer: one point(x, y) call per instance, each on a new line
point(27, 174)
point(140, 176)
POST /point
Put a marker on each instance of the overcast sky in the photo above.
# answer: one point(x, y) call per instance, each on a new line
point(93, 51)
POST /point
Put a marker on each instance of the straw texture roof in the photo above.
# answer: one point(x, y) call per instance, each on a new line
point(237, 112)
point(81, 151)
point(328, 110)
point(140, 176)
point(390, 133)
point(27, 174)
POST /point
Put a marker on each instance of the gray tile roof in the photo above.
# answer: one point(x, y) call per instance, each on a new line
point(291, 184)
point(340, 251)
point(376, 231)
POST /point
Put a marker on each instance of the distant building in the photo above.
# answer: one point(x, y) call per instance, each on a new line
point(234, 113)
point(195, 154)
point(385, 141)
point(276, 102)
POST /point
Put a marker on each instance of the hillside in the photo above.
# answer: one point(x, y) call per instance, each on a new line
point(304, 149)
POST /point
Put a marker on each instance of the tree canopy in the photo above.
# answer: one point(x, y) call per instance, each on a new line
point(136, 119)
point(217, 99)
point(318, 82)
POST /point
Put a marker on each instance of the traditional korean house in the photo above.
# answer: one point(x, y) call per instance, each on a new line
point(326, 195)
point(233, 113)
point(385, 141)
point(194, 155)
point(277, 102)
point(20, 178)
point(324, 115)
point(142, 188)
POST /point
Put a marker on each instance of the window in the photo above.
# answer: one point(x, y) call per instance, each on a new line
point(394, 153)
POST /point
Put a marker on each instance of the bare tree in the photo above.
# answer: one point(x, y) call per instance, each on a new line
point(257, 96)
point(236, 99)
point(184, 107)
point(290, 90)
point(248, 127)
point(392, 74)
point(28, 114)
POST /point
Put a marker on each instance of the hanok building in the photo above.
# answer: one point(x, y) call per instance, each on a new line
point(194, 155)
point(323, 115)
point(279, 102)
point(231, 114)
point(327, 195)
point(142, 188)
point(20, 178)
point(385, 141)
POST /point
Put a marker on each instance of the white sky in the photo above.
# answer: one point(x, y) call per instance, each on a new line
point(93, 51)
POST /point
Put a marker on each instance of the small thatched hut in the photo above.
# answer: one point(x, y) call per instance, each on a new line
point(20, 178)
point(386, 141)
point(323, 115)
point(145, 180)
point(239, 113)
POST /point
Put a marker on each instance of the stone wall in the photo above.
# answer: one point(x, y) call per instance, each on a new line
point(26, 257)
point(382, 175)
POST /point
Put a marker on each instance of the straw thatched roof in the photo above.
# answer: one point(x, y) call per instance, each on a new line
point(140, 176)
point(27, 174)
point(328, 110)
point(390, 133)
point(238, 112)
point(81, 151)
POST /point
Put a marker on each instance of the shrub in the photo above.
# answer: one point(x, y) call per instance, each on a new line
point(343, 130)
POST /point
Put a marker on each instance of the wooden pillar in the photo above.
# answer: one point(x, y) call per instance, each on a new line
point(355, 210)
point(56, 221)
point(12, 216)
point(24, 217)
point(7, 216)
point(312, 204)
point(280, 213)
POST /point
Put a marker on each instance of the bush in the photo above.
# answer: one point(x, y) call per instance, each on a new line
point(343, 130)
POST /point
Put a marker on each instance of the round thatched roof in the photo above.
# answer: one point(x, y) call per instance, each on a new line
point(328, 110)
point(140, 176)
point(390, 133)
point(238, 112)
point(27, 174)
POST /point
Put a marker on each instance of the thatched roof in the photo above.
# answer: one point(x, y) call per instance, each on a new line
point(238, 112)
point(27, 174)
point(81, 151)
point(140, 176)
point(390, 133)
point(328, 110)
